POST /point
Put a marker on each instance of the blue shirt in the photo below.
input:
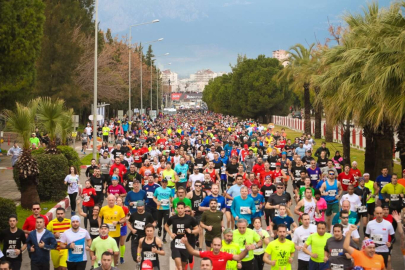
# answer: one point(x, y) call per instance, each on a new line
point(181, 170)
point(150, 191)
point(163, 195)
point(259, 199)
point(239, 208)
point(300, 151)
point(234, 190)
point(134, 197)
point(224, 160)
point(381, 182)
point(287, 220)
point(220, 200)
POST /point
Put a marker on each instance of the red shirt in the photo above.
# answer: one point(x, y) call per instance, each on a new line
point(87, 198)
point(122, 170)
point(218, 261)
point(345, 180)
point(243, 154)
point(161, 141)
point(144, 150)
point(30, 223)
point(249, 184)
point(258, 168)
point(263, 175)
point(137, 155)
point(213, 175)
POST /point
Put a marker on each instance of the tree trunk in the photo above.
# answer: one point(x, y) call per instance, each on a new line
point(346, 143)
point(328, 129)
point(29, 193)
point(369, 156)
point(400, 147)
point(384, 142)
point(307, 109)
point(318, 116)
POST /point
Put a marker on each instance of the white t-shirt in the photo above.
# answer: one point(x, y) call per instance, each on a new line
point(194, 177)
point(300, 236)
point(379, 234)
point(79, 253)
point(88, 130)
point(355, 234)
point(354, 200)
point(39, 235)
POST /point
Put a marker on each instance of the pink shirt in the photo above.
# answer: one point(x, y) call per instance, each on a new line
point(116, 190)
point(321, 207)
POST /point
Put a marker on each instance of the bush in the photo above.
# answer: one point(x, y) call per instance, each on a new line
point(7, 207)
point(71, 155)
point(52, 172)
point(38, 151)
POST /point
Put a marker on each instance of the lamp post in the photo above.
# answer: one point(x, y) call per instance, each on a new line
point(151, 72)
point(129, 63)
point(157, 88)
point(160, 39)
point(95, 82)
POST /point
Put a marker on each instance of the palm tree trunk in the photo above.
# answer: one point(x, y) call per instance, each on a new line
point(346, 143)
point(307, 109)
point(369, 156)
point(384, 143)
point(318, 116)
point(328, 129)
point(29, 194)
point(400, 147)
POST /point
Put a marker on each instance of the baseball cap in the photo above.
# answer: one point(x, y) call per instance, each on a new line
point(114, 178)
point(104, 225)
point(164, 180)
point(278, 164)
point(140, 203)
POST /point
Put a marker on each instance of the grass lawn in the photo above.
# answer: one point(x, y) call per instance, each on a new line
point(86, 160)
point(355, 154)
point(22, 214)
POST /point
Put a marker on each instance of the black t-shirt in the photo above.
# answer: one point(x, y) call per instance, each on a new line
point(130, 178)
point(97, 183)
point(180, 224)
point(232, 168)
point(296, 171)
point(12, 241)
point(124, 149)
point(275, 199)
point(116, 153)
point(200, 163)
point(362, 193)
point(267, 191)
point(307, 159)
point(90, 170)
point(299, 184)
point(138, 222)
point(322, 162)
point(272, 160)
point(289, 150)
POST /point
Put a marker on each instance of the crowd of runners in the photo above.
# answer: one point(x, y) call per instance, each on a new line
point(215, 187)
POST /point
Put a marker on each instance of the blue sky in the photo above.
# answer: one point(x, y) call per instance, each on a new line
point(202, 34)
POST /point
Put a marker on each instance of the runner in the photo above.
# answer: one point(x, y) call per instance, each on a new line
point(114, 216)
point(331, 191)
point(280, 252)
point(317, 241)
point(150, 247)
point(212, 222)
point(93, 218)
point(100, 245)
point(14, 243)
point(163, 197)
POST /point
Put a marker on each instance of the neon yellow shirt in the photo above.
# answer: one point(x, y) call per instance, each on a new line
point(106, 131)
point(234, 249)
point(248, 238)
point(317, 244)
point(260, 251)
point(281, 253)
point(170, 176)
point(370, 186)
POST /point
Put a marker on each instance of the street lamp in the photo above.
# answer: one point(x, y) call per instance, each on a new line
point(151, 80)
point(157, 88)
point(95, 82)
point(160, 39)
point(129, 65)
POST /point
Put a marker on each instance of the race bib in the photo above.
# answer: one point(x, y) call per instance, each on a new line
point(149, 195)
point(394, 197)
point(278, 179)
point(345, 182)
point(268, 193)
point(244, 210)
point(139, 225)
point(218, 206)
point(94, 231)
point(257, 207)
point(112, 227)
point(332, 192)
point(377, 238)
point(164, 202)
point(134, 204)
point(86, 198)
point(383, 184)
point(314, 177)
point(78, 249)
point(362, 209)
point(265, 157)
point(199, 166)
point(179, 244)
point(136, 157)
point(98, 187)
point(10, 253)
point(336, 266)
point(168, 178)
point(273, 164)
point(223, 170)
point(130, 184)
point(149, 255)
point(276, 213)
point(229, 203)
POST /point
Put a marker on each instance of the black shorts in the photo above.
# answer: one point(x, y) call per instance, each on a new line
point(179, 253)
point(84, 143)
point(138, 165)
point(371, 208)
point(365, 214)
point(198, 218)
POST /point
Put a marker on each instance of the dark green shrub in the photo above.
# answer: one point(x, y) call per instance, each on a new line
point(38, 151)
point(71, 155)
point(52, 172)
point(7, 207)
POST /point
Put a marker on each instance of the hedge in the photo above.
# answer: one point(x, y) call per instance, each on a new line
point(7, 207)
point(71, 155)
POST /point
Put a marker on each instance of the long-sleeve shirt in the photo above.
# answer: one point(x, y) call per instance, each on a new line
point(41, 255)
point(240, 208)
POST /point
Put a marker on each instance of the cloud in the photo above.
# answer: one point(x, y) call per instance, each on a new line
point(237, 3)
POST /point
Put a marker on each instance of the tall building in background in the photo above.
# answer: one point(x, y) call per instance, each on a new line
point(281, 55)
point(169, 75)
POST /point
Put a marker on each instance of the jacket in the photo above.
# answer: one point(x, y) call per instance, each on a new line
point(41, 255)
point(249, 162)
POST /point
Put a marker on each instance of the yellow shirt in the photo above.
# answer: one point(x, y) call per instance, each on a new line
point(55, 226)
point(110, 215)
point(106, 131)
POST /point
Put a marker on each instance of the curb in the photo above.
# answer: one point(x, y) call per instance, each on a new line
point(65, 203)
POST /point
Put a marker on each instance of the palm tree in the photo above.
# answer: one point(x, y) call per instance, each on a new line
point(49, 115)
point(65, 126)
point(298, 74)
point(22, 121)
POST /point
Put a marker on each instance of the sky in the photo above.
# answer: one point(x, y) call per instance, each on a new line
point(209, 34)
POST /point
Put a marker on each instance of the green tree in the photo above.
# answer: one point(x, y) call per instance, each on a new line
point(149, 55)
point(21, 29)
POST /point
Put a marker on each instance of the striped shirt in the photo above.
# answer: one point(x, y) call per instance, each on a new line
point(58, 227)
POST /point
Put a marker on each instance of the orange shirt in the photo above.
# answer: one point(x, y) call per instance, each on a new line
point(401, 181)
point(361, 259)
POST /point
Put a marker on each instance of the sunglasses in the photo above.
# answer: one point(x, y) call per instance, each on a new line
point(36, 208)
point(331, 174)
point(187, 211)
point(279, 187)
point(197, 185)
point(344, 217)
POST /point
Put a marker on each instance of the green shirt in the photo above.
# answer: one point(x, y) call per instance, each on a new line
point(281, 253)
point(318, 244)
point(260, 250)
point(302, 192)
point(248, 238)
point(100, 246)
point(177, 200)
point(234, 249)
point(34, 140)
point(370, 186)
point(213, 219)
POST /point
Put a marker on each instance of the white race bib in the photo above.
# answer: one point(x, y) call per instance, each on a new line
point(219, 206)
point(86, 198)
point(179, 244)
point(164, 202)
point(112, 227)
point(377, 238)
point(94, 231)
point(332, 192)
point(383, 184)
point(276, 213)
point(78, 249)
point(139, 225)
point(362, 209)
point(149, 255)
point(345, 182)
point(130, 184)
point(229, 202)
point(149, 194)
point(394, 197)
point(98, 187)
point(336, 266)
point(10, 253)
point(268, 193)
point(134, 204)
point(244, 210)
point(199, 166)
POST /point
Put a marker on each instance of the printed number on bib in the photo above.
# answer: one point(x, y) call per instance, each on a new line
point(268, 193)
point(377, 238)
point(244, 210)
point(179, 244)
point(149, 195)
point(112, 227)
point(362, 209)
point(394, 197)
point(336, 266)
point(94, 231)
point(134, 204)
point(218, 206)
point(130, 184)
point(11, 253)
point(229, 203)
point(139, 225)
point(164, 202)
point(332, 192)
point(78, 249)
point(97, 187)
point(149, 255)
point(86, 198)
point(276, 213)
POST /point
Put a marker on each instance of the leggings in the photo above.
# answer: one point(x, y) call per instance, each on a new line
point(267, 216)
point(162, 215)
point(89, 211)
point(223, 184)
point(259, 261)
point(72, 198)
